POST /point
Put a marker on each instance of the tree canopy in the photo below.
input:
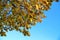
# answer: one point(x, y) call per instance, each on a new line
point(19, 15)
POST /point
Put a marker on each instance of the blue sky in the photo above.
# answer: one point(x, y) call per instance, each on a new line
point(49, 29)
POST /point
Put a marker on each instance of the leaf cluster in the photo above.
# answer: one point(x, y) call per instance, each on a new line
point(24, 13)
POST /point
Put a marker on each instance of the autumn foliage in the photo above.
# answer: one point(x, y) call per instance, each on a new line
point(19, 15)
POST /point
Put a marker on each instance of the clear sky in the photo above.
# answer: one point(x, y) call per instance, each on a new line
point(49, 29)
